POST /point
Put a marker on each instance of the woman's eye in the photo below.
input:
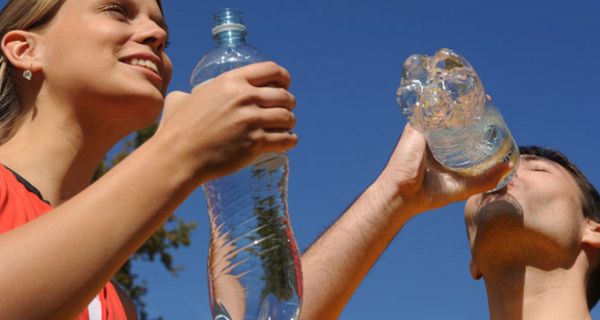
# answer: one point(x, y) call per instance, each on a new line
point(116, 8)
point(541, 169)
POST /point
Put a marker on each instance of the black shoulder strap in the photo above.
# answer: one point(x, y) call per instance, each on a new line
point(28, 185)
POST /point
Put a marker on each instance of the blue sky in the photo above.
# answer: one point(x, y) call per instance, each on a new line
point(538, 59)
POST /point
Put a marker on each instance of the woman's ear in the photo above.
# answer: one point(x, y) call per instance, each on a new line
point(21, 49)
point(591, 233)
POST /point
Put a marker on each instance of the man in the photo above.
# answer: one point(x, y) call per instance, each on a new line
point(536, 242)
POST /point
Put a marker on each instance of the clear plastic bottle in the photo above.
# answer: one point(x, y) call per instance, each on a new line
point(254, 263)
point(443, 98)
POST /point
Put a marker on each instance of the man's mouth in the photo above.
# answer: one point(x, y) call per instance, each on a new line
point(500, 195)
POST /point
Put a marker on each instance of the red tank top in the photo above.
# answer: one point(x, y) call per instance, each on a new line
point(20, 203)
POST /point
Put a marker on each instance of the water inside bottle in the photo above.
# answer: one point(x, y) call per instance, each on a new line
point(442, 91)
point(473, 149)
point(254, 264)
point(443, 97)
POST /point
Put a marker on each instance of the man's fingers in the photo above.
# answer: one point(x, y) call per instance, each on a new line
point(489, 179)
point(410, 150)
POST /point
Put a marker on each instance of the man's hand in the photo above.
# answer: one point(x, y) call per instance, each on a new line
point(412, 182)
point(413, 176)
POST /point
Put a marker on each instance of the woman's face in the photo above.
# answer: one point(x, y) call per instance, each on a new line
point(107, 56)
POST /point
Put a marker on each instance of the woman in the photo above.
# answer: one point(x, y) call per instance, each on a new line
point(77, 76)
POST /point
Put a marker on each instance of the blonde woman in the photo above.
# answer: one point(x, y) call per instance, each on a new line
point(76, 77)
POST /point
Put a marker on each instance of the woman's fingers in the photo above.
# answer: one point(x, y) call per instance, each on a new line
point(172, 100)
point(278, 141)
point(274, 119)
point(275, 97)
point(233, 118)
point(265, 74)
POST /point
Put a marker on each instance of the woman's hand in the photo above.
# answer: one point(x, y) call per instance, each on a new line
point(228, 121)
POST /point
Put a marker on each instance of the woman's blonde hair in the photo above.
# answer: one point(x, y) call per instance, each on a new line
point(18, 15)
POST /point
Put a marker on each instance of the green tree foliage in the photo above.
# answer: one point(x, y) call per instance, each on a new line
point(278, 259)
point(176, 232)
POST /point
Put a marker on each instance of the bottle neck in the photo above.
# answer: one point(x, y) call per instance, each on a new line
point(230, 38)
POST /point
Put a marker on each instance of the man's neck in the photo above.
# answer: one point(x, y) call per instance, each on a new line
point(529, 293)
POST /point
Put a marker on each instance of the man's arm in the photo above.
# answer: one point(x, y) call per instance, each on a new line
point(411, 183)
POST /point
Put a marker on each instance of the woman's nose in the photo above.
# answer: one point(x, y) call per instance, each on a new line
point(154, 36)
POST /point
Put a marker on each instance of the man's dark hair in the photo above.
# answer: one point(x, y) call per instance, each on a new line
point(590, 206)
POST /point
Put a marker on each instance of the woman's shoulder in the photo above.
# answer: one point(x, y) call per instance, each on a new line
point(20, 202)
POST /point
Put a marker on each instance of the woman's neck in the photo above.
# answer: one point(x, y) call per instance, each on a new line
point(55, 154)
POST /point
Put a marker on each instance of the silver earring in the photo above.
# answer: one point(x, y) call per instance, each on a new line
point(27, 74)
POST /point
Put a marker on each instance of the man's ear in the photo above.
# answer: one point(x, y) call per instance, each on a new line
point(21, 49)
point(475, 273)
point(591, 233)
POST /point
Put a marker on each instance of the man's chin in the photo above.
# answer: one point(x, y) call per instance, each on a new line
point(498, 228)
point(500, 207)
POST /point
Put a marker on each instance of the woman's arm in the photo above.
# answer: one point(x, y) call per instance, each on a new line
point(53, 266)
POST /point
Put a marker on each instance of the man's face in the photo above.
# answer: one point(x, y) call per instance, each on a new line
point(537, 213)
